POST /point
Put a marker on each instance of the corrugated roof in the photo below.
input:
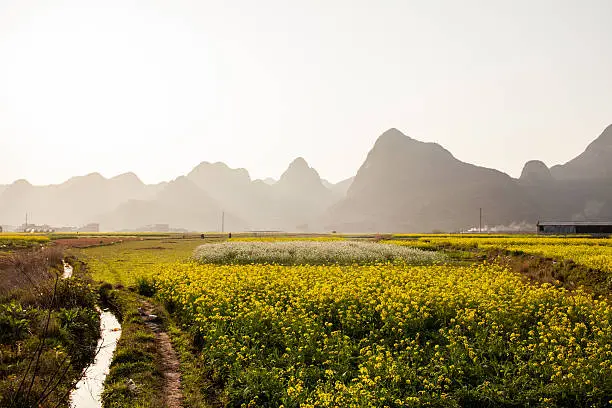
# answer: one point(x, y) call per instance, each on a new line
point(570, 223)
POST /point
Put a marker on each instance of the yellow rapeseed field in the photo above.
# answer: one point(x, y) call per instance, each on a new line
point(595, 253)
point(8, 240)
point(391, 335)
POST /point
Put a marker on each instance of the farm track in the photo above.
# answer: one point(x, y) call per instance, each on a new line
point(170, 365)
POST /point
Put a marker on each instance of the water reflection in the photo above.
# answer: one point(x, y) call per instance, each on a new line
point(89, 390)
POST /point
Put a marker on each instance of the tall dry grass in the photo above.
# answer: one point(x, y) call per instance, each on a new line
point(28, 272)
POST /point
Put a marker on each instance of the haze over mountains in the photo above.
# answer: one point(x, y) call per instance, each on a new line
point(404, 185)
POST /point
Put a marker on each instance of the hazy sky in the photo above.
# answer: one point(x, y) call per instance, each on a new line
point(156, 87)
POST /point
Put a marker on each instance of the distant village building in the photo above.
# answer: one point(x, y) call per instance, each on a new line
point(575, 227)
point(66, 229)
point(33, 228)
point(91, 227)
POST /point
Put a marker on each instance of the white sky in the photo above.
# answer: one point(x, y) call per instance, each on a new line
point(156, 87)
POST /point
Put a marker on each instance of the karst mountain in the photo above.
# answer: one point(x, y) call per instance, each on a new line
point(404, 185)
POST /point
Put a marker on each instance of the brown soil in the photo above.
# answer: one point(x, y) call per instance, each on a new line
point(86, 242)
point(169, 360)
point(563, 273)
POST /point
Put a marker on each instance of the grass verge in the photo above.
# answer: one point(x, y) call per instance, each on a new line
point(198, 391)
point(49, 328)
point(135, 378)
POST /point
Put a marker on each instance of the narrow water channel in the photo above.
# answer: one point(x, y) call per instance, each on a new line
point(88, 391)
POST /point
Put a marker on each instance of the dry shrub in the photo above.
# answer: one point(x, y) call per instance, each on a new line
point(28, 270)
point(6, 260)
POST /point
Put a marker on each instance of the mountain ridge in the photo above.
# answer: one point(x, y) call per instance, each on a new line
point(403, 176)
point(403, 185)
point(593, 163)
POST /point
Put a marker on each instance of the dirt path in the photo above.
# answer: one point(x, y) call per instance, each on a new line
point(169, 360)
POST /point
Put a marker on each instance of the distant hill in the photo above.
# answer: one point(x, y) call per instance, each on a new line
point(340, 188)
point(269, 181)
point(595, 163)
point(75, 202)
point(180, 204)
point(403, 185)
point(287, 204)
point(578, 190)
point(535, 172)
point(195, 201)
point(408, 185)
point(299, 196)
point(232, 189)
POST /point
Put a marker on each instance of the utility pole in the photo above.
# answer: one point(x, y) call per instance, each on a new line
point(26, 223)
point(480, 223)
point(223, 221)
